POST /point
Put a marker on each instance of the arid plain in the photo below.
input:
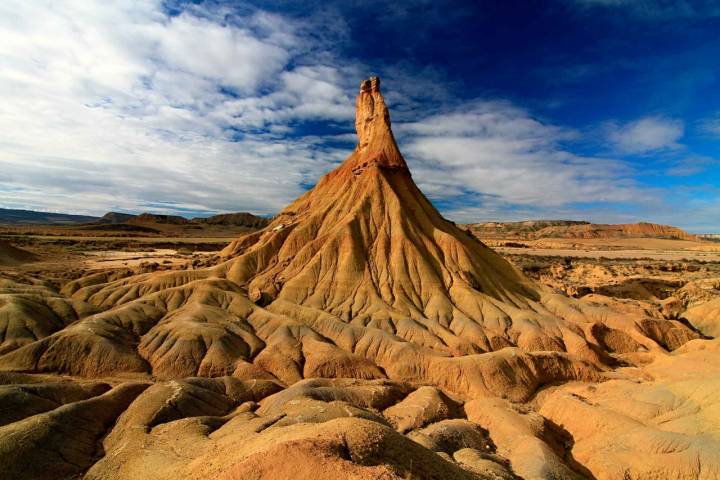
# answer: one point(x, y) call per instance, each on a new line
point(358, 334)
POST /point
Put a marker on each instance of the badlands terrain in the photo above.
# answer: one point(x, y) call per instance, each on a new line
point(358, 334)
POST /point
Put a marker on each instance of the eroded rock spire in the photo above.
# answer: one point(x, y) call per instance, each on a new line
point(376, 143)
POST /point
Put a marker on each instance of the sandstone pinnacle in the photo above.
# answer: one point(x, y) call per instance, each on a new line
point(376, 143)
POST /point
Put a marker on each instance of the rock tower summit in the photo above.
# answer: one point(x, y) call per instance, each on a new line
point(376, 143)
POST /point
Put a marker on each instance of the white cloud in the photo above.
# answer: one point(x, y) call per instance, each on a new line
point(648, 134)
point(228, 55)
point(503, 159)
point(117, 105)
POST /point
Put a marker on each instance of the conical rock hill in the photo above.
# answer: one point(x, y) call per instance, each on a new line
point(359, 277)
point(366, 245)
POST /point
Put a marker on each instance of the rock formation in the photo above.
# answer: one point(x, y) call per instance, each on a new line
point(242, 219)
point(535, 229)
point(115, 218)
point(352, 298)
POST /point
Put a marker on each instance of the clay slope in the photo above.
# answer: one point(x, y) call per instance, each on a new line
point(228, 429)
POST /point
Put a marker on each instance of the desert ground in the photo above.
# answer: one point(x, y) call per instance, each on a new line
point(358, 334)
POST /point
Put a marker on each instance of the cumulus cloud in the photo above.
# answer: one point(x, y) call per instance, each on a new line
point(227, 55)
point(648, 134)
point(117, 105)
point(501, 159)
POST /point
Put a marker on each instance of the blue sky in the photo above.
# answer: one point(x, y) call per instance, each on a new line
point(604, 110)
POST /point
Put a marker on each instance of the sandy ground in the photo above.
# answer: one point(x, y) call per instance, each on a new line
point(117, 259)
point(612, 248)
point(135, 239)
point(626, 243)
point(56, 251)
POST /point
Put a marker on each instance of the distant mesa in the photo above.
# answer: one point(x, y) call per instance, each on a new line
point(30, 217)
point(242, 219)
point(536, 229)
point(155, 218)
point(127, 221)
point(115, 217)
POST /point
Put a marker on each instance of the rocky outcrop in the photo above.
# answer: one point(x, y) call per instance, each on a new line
point(626, 230)
point(115, 218)
point(536, 229)
point(238, 219)
point(156, 218)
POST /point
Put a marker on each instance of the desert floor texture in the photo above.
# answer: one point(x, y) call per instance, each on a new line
point(360, 335)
